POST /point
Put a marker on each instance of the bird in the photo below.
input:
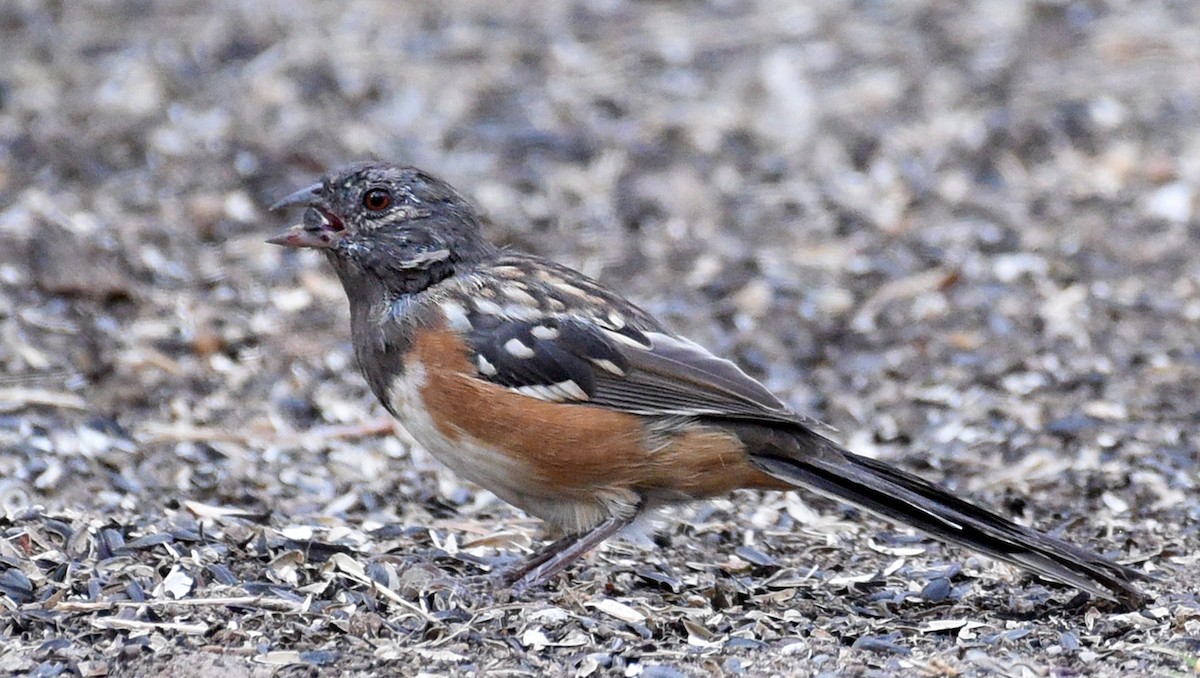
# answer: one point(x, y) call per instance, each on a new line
point(578, 407)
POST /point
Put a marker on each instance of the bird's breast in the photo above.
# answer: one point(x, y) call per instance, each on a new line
point(472, 459)
point(484, 434)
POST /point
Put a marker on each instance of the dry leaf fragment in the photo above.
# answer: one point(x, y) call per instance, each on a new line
point(90, 669)
point(940, 625)
point(199, 628)
point(619, 610)
point(534, 639)
point(279, 658)
point(177, 584)
point(350, 567)
point(210, 512)
point(901, 551)
point(442, 655)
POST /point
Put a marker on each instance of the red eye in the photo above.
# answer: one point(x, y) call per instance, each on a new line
point(377, 199)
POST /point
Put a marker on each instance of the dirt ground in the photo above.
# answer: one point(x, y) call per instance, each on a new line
point(964, 234)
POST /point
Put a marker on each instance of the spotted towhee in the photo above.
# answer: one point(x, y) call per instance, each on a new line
point(571, 403)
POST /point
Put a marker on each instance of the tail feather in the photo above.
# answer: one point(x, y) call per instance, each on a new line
point(809, 460)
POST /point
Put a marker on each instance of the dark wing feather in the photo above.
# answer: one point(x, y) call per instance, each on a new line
point(530, 357)
point(644, 372)
point(675, 376)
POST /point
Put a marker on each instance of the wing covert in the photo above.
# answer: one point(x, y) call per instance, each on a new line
point(575, 359)
point(547, 332)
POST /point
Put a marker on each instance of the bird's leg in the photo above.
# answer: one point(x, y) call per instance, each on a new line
point(553, 558)
point(516, 571)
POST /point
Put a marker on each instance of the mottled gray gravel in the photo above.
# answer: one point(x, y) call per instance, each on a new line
point(964, 234)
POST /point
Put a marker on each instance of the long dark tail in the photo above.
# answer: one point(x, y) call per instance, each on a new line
point(807, 459)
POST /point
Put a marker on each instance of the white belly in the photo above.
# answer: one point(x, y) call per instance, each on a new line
point(508, 477)
point(464, 455)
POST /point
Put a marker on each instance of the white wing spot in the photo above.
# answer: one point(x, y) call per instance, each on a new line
point(572, 389)
point(568, 288)
point(508, 272)
point(520, 312)
point(627, 340)
point(555, 393)
point(539, 392)
point(544, 332)
point(456, 315)
point(486, 368)
point(517, 349)
point(616, 321)
point(609, 366)
point(520, 296)
point(488, 307)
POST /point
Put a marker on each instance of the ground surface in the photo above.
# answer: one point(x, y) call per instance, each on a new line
point(966, 238)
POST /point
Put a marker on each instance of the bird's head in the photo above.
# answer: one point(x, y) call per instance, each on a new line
point(394, 223)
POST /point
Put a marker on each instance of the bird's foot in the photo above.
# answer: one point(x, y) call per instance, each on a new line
point(420, 577)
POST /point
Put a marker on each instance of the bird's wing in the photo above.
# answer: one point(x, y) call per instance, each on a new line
point(574, 358)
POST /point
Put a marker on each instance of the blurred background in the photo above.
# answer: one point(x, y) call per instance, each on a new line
point(962, 233)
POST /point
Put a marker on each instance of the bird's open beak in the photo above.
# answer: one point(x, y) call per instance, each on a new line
point(305, 196)
point(319, 227)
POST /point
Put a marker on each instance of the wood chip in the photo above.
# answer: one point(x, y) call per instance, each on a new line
point(15, 398)
point(192, 629)
point(619, 610)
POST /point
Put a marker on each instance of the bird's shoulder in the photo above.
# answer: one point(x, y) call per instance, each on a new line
point(526, 285)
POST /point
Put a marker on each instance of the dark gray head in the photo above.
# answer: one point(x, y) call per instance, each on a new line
point(388, 226)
